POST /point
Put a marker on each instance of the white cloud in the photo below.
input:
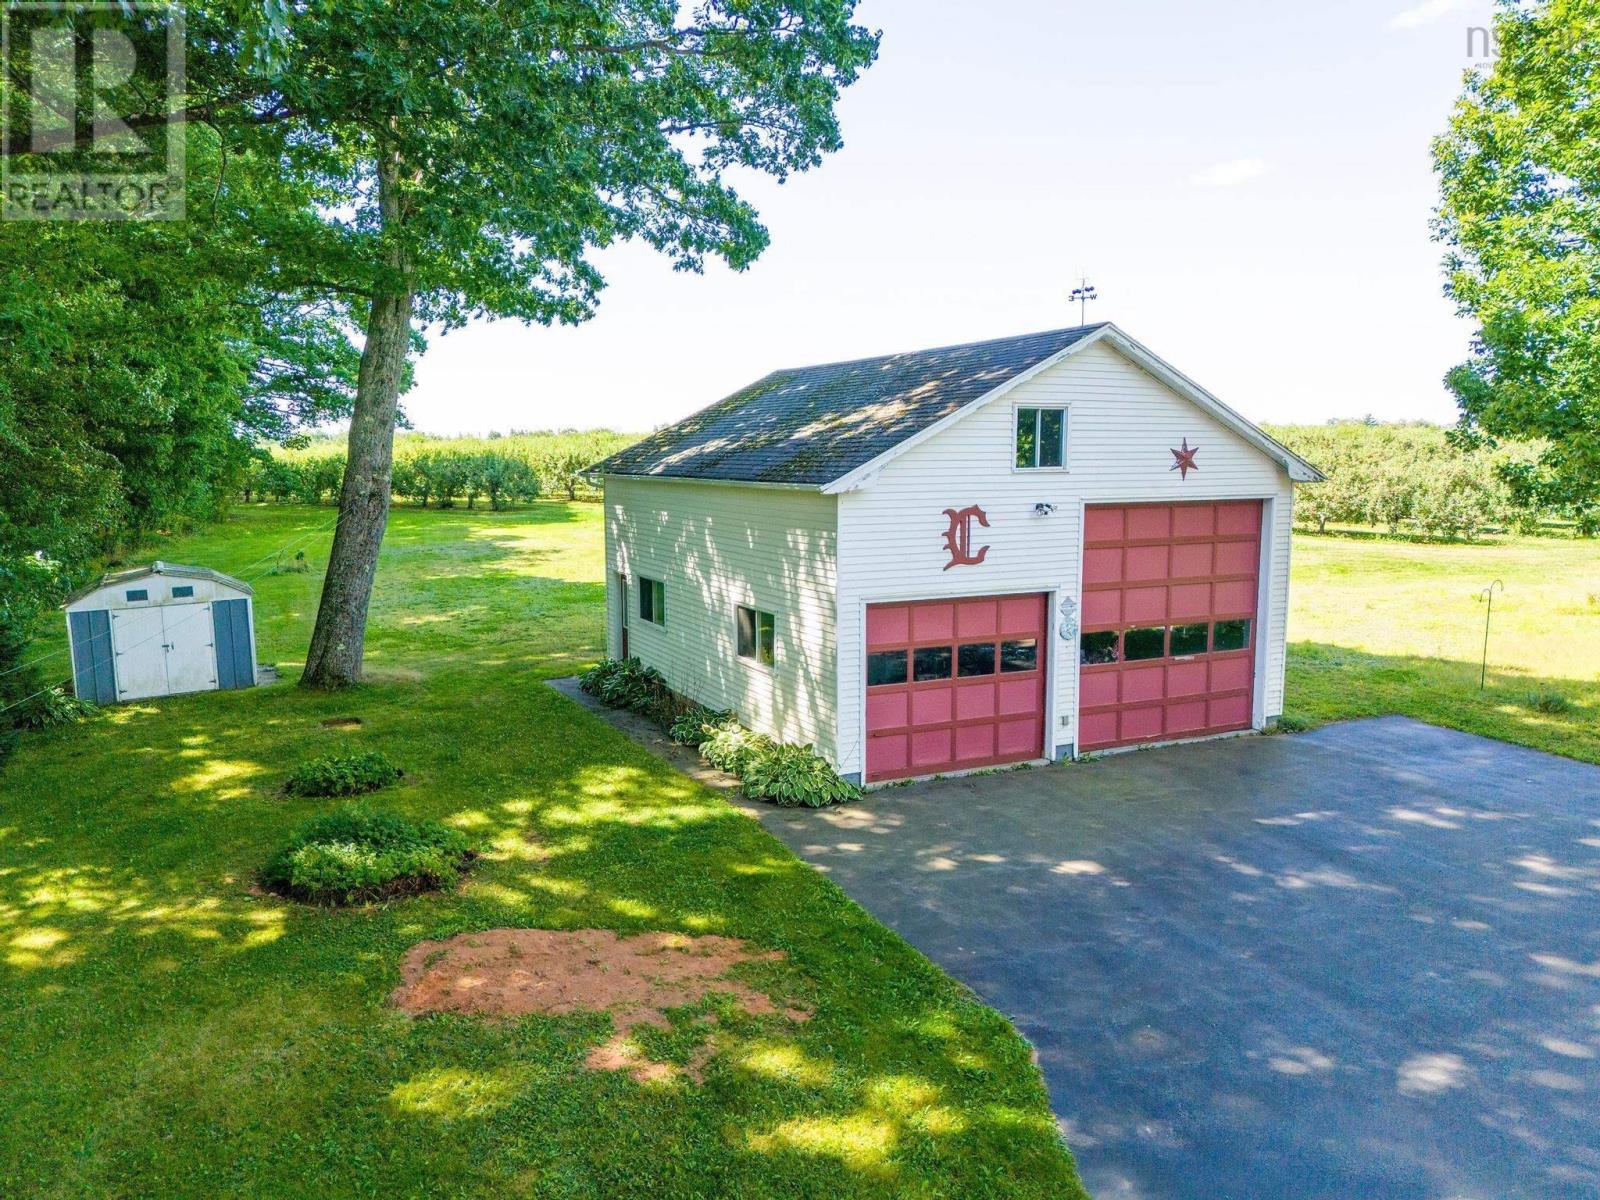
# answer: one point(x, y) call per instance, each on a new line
point(1425, 13)
point(1231, 173)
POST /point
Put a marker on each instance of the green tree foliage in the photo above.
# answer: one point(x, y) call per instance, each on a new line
point(142, 362)
point(471, 156)
point(440, 471)
point(1519, 173)
point(446, 160)
point(1409, 478)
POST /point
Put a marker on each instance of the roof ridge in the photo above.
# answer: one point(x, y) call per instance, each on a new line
point(1015, 337)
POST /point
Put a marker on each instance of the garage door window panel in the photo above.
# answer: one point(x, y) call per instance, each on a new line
point(885, 667)
point(1021, 655)
point(1189, 640)
point(1230, 635)
point(975, 659)
point(1141, 645)
point(1099, 649)
point(930, 664)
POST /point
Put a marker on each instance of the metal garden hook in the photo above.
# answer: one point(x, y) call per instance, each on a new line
point(1487, 597)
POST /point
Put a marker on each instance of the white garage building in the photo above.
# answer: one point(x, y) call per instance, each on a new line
point(161, 630)
point(1021, 549)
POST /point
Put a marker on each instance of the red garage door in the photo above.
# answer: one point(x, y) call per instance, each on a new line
point(954, 684)
point(1169, 621)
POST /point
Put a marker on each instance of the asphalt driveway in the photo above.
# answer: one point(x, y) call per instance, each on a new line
point(1362, 963)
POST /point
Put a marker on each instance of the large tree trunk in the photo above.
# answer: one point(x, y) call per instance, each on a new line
point(339, 640)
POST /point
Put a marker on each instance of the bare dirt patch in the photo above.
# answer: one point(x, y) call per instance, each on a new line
point(520, 972)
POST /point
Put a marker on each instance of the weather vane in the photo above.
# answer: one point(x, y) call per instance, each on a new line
point(1081, 295)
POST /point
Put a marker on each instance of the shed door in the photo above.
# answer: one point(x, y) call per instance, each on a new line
point(94, 675)
point(191, 657)
point(230, 633)
point(140, 644)
point(1169, 621)
point(954, 684)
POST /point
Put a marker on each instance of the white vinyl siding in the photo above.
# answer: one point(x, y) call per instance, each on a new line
point(1123, 425)
point(716, 548)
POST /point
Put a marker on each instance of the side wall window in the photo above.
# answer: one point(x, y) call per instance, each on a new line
point(652, 601)
point(1041, 437)
point(758, 635)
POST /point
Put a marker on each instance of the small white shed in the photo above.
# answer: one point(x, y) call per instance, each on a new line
point(161, 630)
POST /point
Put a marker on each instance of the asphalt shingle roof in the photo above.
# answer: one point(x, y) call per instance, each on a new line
point(811, 425)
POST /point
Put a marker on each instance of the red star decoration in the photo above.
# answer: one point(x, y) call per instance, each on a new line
point(1185, 458)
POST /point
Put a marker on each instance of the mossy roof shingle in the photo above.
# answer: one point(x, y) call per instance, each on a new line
point(812, 425)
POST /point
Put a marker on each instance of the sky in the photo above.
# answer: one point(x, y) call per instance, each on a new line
point(1247, 184)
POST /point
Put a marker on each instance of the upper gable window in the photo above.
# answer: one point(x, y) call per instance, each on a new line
point(136, 595)
point(1041, 437)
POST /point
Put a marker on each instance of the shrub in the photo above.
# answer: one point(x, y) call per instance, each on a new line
point(1289, 723)
point(788, 775)
point(358, 855)
point(54, 707)
point(342, 775)
point(1547, 700)
point(627, 683)
point(795, 777)
point(689, 727)
point(729, 746)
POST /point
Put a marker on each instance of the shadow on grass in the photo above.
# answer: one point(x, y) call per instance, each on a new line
point(1332, 683)
point(153, 1008)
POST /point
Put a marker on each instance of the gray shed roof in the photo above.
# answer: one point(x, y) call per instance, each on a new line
point(811, 425)
point(176, 570)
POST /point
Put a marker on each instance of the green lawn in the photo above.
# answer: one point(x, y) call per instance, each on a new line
point(1392, 627)
point(164, 1030)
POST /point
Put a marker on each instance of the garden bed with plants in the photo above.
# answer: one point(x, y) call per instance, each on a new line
point(359, 854)
point(790, 776)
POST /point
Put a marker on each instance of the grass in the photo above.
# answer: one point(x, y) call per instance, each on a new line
point(166, 1029)
point(1389, 627)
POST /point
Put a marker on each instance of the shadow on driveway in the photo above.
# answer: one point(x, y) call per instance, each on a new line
point(1357, 963)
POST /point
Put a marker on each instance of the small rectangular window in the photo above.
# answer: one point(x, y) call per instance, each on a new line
point(1020, 655)
point(183, 592)
point(886, 667)
point(1140, 645)
point(1098, 649)
point(652, 601)
point(975, 659)
point(1190, 639)
point(1041, 437)
point(134, 595)
point(757, 635)
point(930, 663)
point(1230, 635)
